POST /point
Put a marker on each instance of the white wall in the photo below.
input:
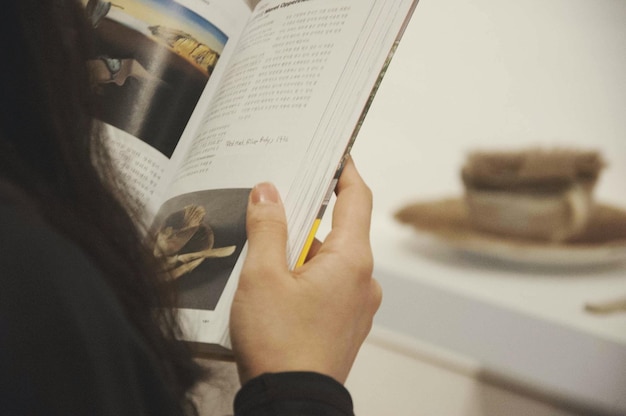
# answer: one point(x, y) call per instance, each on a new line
point(495, 73)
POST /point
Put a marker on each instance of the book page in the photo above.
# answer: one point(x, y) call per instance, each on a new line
point(286, 109)
point(267, 108)
point(153, 60)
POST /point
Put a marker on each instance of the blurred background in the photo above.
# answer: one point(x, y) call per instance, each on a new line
point(487, 73)
point(460, 335)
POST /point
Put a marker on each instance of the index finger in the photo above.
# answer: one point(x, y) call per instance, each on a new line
point(353, 208)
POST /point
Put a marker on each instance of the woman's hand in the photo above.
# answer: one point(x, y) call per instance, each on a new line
point(316, 317)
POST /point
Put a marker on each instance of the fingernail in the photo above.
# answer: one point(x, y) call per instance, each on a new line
point(264, 193)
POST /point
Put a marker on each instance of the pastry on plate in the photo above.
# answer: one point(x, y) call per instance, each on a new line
point(535, 194)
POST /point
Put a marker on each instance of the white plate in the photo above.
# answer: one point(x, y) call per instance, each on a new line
point(445, 220)
point(546, 255)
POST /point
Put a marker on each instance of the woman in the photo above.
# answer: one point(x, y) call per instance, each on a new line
point(79, 333)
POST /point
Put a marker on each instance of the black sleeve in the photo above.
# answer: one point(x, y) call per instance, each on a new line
point(293, 394)
point(66, 347)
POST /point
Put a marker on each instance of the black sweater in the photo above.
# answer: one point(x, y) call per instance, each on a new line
point(67, 349)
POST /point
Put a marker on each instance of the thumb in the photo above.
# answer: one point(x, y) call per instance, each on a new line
point(266, 227)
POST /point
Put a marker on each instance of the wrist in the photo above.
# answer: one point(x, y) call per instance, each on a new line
point(291, 389)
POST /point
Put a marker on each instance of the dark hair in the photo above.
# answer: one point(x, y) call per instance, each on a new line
point(51, 148)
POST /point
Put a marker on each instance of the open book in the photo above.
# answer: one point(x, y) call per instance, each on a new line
point(203, 99)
